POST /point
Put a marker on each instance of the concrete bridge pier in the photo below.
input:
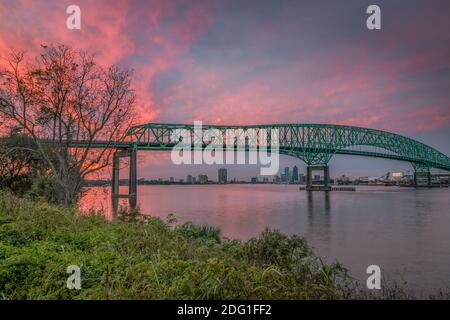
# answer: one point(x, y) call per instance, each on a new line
point(132, 179)
point(422, 176)
point(310, 186)
point(422, 179)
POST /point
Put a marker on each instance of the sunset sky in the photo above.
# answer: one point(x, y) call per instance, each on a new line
point(252, 62)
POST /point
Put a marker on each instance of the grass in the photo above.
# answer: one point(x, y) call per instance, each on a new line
point(142, 257)
point(139, 257)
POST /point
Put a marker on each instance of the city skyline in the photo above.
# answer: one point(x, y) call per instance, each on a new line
point(231, 176)
point(339, 165)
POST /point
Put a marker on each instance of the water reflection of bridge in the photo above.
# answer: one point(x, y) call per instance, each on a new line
point(315, 144)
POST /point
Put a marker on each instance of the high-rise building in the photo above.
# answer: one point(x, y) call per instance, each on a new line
point(222, 175)
point(202, 178)
point(286, 176)
point(295, 174)
point(286, 173)
point(301, 178)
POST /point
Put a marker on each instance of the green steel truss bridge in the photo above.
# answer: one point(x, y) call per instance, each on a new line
point(315, 144)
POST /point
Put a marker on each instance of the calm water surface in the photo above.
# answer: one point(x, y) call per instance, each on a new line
point(404, 231)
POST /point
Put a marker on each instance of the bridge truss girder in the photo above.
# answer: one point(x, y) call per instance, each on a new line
point(315, 144)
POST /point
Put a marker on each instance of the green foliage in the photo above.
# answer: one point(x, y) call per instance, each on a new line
point(141, 257)
point(124, 213)
point(274, 248)
point(20, 163)
point(19, 184)
point(203, 233)
point(46, 188)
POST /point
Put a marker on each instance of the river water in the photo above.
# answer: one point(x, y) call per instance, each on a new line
point(403, 230)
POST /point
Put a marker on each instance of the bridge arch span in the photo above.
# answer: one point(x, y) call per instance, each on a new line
point(313, 143)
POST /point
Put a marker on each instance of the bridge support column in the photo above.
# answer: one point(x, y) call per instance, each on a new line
point(310, 186)
point(422, 176)
point(422, 179)
point(132, 179)
point(115, 181)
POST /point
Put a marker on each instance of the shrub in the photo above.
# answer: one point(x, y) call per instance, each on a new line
point(146, 258)
point(204, 233)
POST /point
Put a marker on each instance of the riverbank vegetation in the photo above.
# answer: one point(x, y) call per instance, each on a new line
point(142, 257)
point(147, 258)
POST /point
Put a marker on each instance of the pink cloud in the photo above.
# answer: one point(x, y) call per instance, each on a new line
point(351, 85)
point(107, 30)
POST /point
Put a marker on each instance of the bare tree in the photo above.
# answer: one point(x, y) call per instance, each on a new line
point(62, 98)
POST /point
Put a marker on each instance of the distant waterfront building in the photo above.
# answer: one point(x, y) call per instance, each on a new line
point(266, 180)
point(254, 180)
point(202, 178)
point(222, 175)
point(366, 180)
point(317, 177)
point(194, 180)
point(397, 175)
point(302, 178)
point(189, 178)
point(343, 180)
point(295, 174)
point(172, 179)
point(287, 177)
